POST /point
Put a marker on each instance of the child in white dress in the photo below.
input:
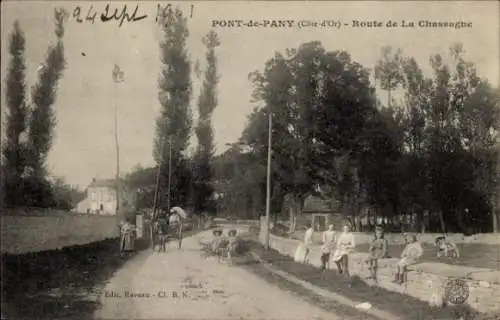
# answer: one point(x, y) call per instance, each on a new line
point(308, 241)
point(412, 252)
point(345, 244)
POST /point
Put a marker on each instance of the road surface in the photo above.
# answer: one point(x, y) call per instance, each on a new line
point(185, 284)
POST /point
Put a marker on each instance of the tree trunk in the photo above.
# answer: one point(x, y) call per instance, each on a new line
point(389, 98)
point(419, 221)
point(495, 211)
point(441, 220)
point(295, 209)
point(459, 214)
point(425, 221)
point(495, 214)
point(291, 212)
point(256, 203)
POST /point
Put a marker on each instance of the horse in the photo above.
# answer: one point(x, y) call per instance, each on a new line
point(160, 235)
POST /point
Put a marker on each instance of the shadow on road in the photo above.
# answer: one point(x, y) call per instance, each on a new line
point(65, 283)
point(59, 284)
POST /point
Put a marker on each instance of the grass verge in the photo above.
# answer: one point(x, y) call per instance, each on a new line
point(401, 305)
point(307, 295)
point(61, 284)
point(245, 260)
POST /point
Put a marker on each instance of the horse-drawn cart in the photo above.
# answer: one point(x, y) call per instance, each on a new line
point(162, 231)
point(175, 233)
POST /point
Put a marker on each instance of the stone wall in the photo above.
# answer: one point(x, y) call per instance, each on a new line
point(32, 230)
point(244, 222)
point(423, 279)
point(428, 238)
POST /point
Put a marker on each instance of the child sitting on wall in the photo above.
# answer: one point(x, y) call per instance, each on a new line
point(446, 248)
point(410, 255)
point(233, 243)
point(217, 241)
point(345, 244)
point(328, 246)
point(378, 250)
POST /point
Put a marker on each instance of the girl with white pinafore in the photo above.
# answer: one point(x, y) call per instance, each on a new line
point(345, 244)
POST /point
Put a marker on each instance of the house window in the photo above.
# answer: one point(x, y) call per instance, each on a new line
point(94, 196)
point(102, 207)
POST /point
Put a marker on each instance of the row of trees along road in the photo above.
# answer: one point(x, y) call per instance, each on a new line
point(430, 147)
point(30, 126)
point(191, 176)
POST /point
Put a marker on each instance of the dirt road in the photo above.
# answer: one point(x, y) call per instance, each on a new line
point(185, 284)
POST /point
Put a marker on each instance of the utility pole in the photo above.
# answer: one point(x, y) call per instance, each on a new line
point(118, 77)
point(268, 184)
point(496, 192)
point(169, 170)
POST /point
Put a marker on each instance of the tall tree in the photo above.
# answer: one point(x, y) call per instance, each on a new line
point(174, 124)
point(143, 182)
point(43, 94)
point(14, 148)
point(240, 183)
point(321, 102)
point(388, 71)
point(207, 102)
point(448, 152)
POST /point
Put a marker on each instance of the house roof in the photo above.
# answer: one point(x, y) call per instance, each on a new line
point(316, 204)
point(102, 183)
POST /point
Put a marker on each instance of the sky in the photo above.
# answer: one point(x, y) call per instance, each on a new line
point(83, 145)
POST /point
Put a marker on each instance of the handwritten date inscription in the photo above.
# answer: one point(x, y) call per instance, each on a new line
point(120, 15)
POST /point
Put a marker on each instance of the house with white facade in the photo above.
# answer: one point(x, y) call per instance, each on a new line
point(101, 198)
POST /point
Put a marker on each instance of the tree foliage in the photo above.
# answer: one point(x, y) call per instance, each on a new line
point(142, 181)
point(207, 102)
point(240, 183)
point(432, 152)
point(30, 124)
point(448, 153)
point(14, 148)
point(66, 197)
point(323, 117)
point(173, 126)
point(43, 119)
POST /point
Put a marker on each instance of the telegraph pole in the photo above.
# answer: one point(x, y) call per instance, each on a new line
point(118, 77)
point(268, 184)
point(496, 192)
point(169, 171)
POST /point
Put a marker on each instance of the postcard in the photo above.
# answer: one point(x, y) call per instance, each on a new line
point(250, 160)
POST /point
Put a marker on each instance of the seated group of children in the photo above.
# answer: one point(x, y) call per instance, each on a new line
point(410, 255)
point(224, 247)
point(379, 250)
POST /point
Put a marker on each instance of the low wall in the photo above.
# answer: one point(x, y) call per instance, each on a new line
point(428, 238)
point(38, 230)
point(240, 228)
point(245, 222)
point(423, 279)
